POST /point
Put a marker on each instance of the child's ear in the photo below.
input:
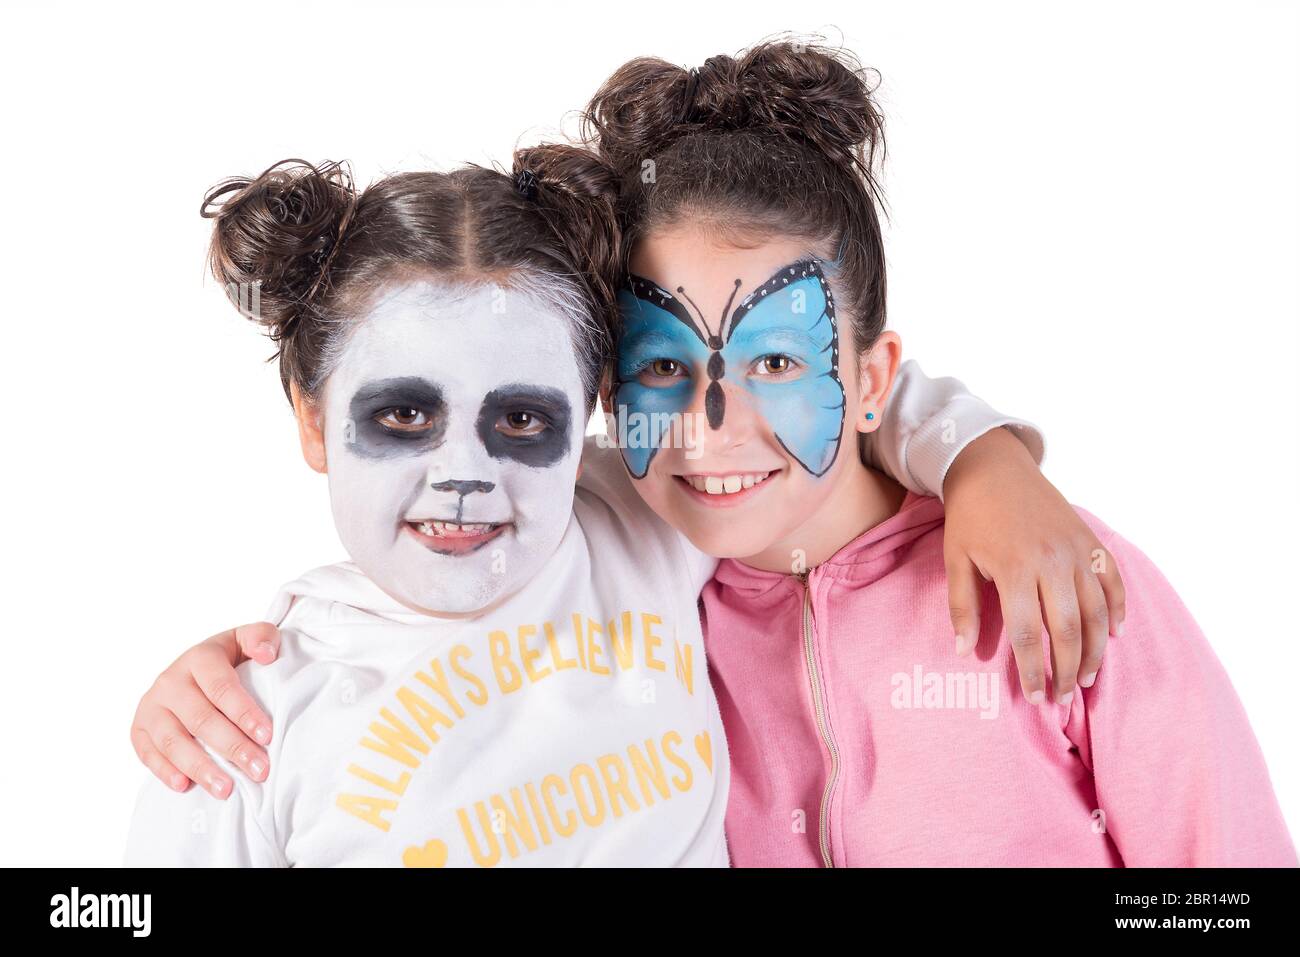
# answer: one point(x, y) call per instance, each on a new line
point(876, 372)
point(311, 428)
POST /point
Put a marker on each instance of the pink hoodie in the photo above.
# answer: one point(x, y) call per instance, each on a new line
point(859, 738)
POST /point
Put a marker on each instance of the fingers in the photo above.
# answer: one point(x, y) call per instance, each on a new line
point(259, 641)
point(1024, 629)
point(1103, 566)
point(1060, 602)
point(964, 603)
point(152, 758)
point(200, 710)
point(182, 753)
point(1094, 613)
point(220, 685)
point(194, 710)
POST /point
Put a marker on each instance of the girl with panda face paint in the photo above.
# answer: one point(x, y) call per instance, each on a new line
point(452, 428)
point(499, 644)
point(442, 338)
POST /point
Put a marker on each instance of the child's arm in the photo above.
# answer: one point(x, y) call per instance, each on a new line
point(1180, 779)
point(1005, 523)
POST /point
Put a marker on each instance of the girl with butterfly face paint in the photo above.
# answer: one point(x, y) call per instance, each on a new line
point(828, 625)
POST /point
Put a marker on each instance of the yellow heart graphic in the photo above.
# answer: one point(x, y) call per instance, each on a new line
point(433, 854)
point(704, 748)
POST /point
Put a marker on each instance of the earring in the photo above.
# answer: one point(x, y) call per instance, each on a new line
point(870, 416)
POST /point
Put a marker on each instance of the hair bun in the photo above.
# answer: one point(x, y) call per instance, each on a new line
point(817, 96)
point(278, 232)
point(574, 169)
point(576, 191)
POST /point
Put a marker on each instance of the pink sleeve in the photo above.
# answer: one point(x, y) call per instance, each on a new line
point(1180, 778)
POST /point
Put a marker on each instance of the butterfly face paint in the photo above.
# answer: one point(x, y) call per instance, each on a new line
point(453, 429)
point(792, 315)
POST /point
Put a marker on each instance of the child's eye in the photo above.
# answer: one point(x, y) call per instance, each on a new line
point(404, 419)
point(775, 365)
point(521, 424)
point(661, 369)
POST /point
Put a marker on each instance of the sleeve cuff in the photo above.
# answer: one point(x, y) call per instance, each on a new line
point(935, 445)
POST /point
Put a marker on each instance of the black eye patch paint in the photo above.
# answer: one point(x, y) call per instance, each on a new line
point(371, 440)
point(538, 451)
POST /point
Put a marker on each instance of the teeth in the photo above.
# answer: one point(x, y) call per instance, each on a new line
point(725, 484)
point(442, 528)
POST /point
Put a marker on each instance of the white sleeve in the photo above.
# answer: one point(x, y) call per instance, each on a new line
point(606, 477)
point(194, 829)
point(926, 424)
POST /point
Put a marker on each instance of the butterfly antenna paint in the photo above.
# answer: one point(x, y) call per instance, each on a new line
point(681, 291)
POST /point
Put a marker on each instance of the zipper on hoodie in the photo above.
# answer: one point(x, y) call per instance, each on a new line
point(823, 726)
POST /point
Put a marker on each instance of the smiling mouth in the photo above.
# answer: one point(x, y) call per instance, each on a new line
point(724, 488)
point(455, 538)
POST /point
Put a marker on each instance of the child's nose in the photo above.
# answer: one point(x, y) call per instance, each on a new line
point(461, 461)
point(725, 418)
point(463, 487)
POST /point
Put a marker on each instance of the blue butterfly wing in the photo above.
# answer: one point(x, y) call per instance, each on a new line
point(793, 313)
point(651, 332)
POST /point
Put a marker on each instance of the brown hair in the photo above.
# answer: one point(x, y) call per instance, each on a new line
point(299, 250)
point(784, 139)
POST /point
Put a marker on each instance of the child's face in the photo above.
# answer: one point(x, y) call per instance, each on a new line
point(453, 426)
point(745, 345)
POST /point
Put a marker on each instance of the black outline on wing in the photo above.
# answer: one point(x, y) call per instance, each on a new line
point(795, 272)
point(656, 295)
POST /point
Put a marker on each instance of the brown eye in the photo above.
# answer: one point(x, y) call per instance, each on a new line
point(404, 419)
point(665, 368)
point(775, 365)
point(520, 424)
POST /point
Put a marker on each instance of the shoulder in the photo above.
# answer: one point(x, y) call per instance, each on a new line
point(623, 531)
point(1123, 550)
point(1103, 531)
point(314, 612)
point(607, 501)
point(1151, 602)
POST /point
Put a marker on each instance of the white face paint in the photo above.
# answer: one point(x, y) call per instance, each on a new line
point(453, 430)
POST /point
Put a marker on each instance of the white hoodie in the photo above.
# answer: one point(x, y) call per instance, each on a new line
point(573, 725)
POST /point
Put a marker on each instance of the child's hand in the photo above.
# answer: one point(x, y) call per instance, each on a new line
point(1007, 523)
point(199, 696)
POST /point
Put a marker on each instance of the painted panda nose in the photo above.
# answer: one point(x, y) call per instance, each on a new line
point(463, 487)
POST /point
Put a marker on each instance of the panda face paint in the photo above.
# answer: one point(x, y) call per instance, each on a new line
point(453, 425)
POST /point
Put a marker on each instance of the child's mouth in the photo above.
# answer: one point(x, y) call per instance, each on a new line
point(455, 538)
point(719, 490)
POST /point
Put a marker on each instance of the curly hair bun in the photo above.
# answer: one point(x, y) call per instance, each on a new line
point(577, 192)
point(277, 233)
point(803, 92)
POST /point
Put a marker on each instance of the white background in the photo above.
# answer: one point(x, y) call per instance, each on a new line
point(1094, 224)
